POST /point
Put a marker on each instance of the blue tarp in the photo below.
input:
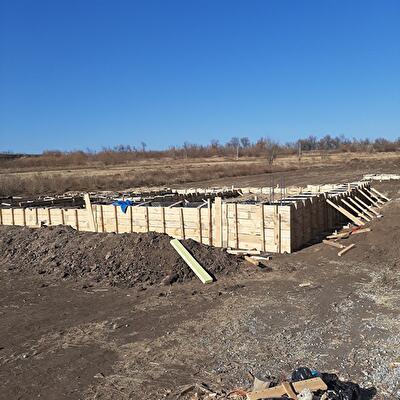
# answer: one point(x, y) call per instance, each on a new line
point(124, 204)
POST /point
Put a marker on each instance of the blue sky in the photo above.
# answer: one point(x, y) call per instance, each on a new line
point(85, 73)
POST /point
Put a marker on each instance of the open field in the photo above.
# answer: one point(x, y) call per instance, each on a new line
point(66, 333)
point(312, 168)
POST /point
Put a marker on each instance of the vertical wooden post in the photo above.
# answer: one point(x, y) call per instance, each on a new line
point(37, 217)
point(62, 216)
point(116, 218)
point(199, 225)
point(76, 219)
point(262, 227)
point(182, 223)
point(277, 229)
point(130, 218)
point(102, 218)
point(49, 216)
point(218, 221)
point(1, 216)
point(163, 227)
point(24, 216)
point(235, 216)
point(12, 217)
point(227, 225)
point(146, 216)
point(89, 208)
point(210, 224)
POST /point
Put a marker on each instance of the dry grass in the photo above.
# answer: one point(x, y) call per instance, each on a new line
point(50, 183)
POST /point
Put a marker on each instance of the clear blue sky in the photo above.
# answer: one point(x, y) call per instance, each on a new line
point(92, 73)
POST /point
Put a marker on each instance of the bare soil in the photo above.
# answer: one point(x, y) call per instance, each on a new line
point(77, 337)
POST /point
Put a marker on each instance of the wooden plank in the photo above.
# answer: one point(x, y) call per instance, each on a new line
point(262, 226)
point(360, 214)
point(218, 221)
point(373, 195)
point(182, 222)
point(313, 384)
point(116, 219)
point(333, 244)
point(163, 220)
point(90, 215)
point(200, 272)
point(350, 216)
point(366, 205)
point(252, 261)
point(199, 226)
point(146, 217)
point(365, 211)
point(289, 391)
point(277, 229)
point(76, 219)
point(346, 249)
point(369, 199)
point(380, 194)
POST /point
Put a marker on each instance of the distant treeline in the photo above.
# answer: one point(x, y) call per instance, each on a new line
point(235, 148)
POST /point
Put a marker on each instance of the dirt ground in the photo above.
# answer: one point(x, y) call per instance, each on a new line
point(70, 337)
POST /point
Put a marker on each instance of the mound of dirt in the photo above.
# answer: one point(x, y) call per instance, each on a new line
point(123, 260)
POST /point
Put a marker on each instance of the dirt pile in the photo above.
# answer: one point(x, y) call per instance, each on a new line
point(123, 260)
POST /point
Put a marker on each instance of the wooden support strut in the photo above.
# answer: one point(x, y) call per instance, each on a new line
point(374, 196)
point(346, 213)
point(365, 211)
point(366, 206)
point(360, 214)
point(369, 199)
point(380, 194)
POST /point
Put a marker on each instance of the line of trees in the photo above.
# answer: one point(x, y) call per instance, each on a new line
point(236, 147)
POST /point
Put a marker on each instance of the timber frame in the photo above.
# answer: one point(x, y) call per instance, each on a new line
point(286, 225)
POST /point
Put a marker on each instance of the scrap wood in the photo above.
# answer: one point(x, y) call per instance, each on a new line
point(201, 273)
point(333, 244)
point(243, 252)
point(251, 260)
point(357, 231)
point(312, 384)
point(346, 249)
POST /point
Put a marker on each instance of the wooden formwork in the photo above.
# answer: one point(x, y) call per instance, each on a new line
point(281, 227)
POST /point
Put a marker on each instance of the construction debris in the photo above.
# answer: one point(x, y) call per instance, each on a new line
point(304, 384)
point(201, 273)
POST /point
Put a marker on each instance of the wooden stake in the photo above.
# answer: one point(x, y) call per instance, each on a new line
point(24, 216)
point(102, 217)
point(349, 215)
